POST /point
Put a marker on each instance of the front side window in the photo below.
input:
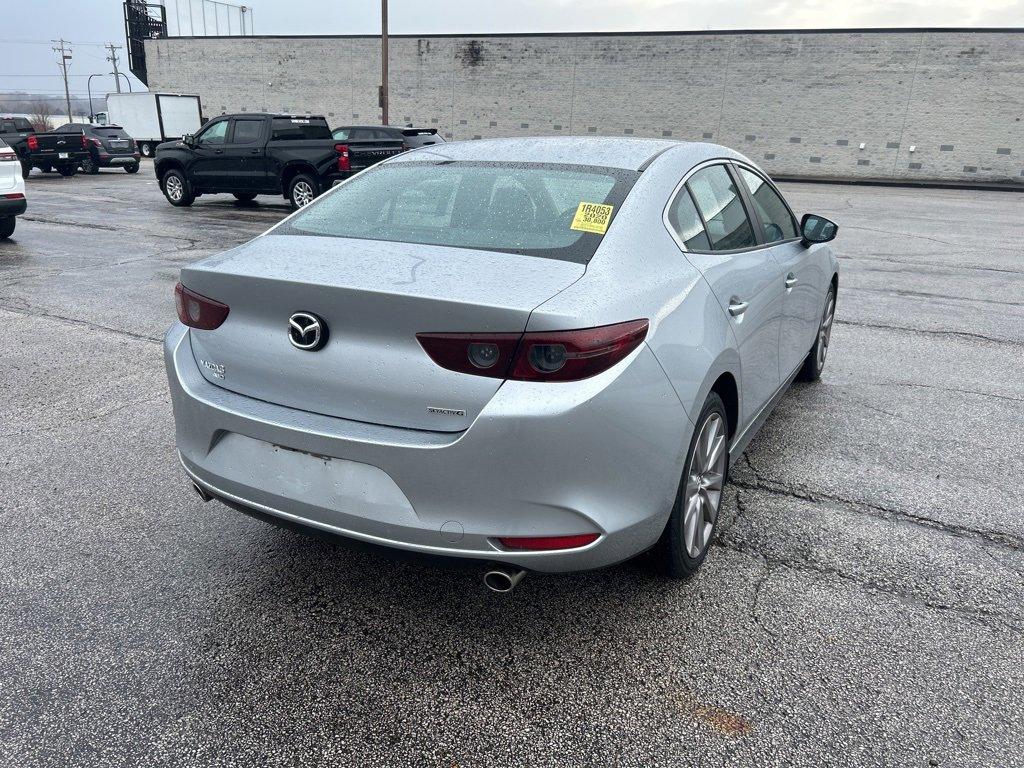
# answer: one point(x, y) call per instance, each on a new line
point(684, 219)
point(530, 209)
point(775, 216)
point(215, 134)
point(247, 131)
point(719, 202)
point(341, 134)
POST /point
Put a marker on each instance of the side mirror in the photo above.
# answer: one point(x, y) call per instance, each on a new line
point(817, 229)
point(188, 140)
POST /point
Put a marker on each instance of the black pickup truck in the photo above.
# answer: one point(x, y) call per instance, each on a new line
point(62, 152)
point(254, 154)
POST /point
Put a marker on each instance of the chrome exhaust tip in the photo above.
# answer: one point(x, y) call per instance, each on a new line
point(201, 492)
point(502, 579)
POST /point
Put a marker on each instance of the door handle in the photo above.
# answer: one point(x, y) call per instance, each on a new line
point(256, 151)
point(737, 307)
point(790, 280)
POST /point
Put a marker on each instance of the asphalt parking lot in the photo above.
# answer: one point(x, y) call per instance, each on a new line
point(863, 604)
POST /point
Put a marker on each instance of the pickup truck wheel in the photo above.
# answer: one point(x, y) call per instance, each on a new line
point(46, 168)
point(7, 227)
point(25, 170)
point(67, 170)
point(89, 166)
point(303, 190)
point(132, 168)
point(146, 149)
point(176, 188)
point(245, 197)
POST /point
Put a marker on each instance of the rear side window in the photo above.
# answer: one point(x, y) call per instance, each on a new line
point(247, 131)
point(299, 129)
point(684, 219)
point(721, 206)
point(527, 208)
point(775, 216)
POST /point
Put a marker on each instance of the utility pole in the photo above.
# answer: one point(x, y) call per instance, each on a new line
point(112, 58)
point(65, 57)
point(384, 60)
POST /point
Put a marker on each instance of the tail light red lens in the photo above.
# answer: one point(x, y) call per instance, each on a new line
point(96, 143)
point(33, 143)
point(546, 543)
point(344, 157)
point(85, 141)
point(7, 155)
point(549, 356)
point(197, 311)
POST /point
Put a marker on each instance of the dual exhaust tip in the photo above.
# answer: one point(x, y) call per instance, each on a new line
point(501, 579)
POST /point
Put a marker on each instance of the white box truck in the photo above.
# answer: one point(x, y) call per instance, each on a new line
point(152, 118)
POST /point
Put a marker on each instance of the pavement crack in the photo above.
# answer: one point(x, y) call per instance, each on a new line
point(930, 332)
point(37, 313)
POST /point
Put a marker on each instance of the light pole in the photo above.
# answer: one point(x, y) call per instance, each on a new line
point(88, 85)
point(384, 60)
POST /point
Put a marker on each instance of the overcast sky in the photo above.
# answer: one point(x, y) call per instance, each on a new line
point(27, 63)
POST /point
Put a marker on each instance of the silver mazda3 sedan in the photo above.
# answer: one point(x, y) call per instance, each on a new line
point(537, 353)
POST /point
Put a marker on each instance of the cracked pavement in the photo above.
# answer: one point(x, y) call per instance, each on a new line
point(862, 605)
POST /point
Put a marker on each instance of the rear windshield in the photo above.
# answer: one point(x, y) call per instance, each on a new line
point(299, 128)
point(551, 211)
point(15, 125)
point(111, 133)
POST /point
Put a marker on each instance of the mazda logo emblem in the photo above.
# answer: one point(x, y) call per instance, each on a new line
point(307, 331)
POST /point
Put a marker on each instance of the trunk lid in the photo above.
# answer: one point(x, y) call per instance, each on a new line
point(374, 298)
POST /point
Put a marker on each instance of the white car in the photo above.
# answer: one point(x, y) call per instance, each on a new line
point(12, 190)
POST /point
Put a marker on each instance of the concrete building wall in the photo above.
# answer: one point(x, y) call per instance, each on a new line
point(837, 104)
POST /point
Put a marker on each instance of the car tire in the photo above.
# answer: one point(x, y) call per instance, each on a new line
point(245, 197)
point(132, 168)
point(67, 170)
point(7, 227)
point(90, 166)
point(46, 168)
point(176, 188)
point(25, 170)
point(815, 361)
point(146, 149)
point(303, 190)
point(694, 518)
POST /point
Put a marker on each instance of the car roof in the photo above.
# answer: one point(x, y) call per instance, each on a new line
point(629, 153)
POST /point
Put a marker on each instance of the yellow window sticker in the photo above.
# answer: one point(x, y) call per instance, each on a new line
point(592, 217)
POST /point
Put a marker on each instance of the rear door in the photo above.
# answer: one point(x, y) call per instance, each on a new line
point(802, 280)
point(245, 159)
point(712, 224)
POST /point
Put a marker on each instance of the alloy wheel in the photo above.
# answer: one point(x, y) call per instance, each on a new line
point(702, 495)
point(174, 188)
point(825, 333)
point(302, 194)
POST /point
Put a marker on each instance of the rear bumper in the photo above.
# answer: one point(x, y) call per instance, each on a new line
point(601, 456)
point(12, 207)
point(48, 157)
point(118, 161)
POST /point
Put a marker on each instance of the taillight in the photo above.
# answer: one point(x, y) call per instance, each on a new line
point(198, 311)
point(95, 142)
point(543, 543)
point(7, 156)
point(548, 356)
point(344, 161)
point(12, 195)
point(33, 144)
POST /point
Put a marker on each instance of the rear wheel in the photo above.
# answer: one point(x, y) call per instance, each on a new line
point(815, 361)
point(146, 149)
point(46, 168)
point(67, 170)
point(132, 168)
point(7, 227)
point(303, 190)
point(245, 197)
point(25, 170)
point(694, 518)
point(90, 166)
point(176, 188)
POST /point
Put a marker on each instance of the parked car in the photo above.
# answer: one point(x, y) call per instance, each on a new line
point(540, 354)
point(411, 138)
point(108, 146)
point(63, 152)
point(153, 118)
point(254, 154)
point(12, 190)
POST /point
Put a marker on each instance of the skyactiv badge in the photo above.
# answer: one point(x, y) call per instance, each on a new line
point(592, 217)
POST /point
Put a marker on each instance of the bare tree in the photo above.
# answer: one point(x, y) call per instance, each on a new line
point(41, 113)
